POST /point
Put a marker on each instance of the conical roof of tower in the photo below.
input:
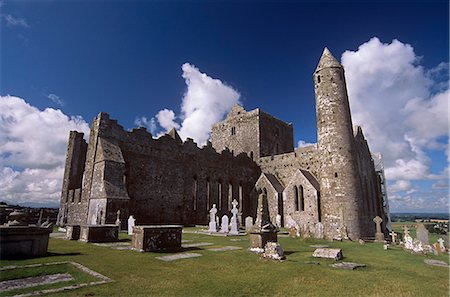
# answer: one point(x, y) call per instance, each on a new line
point(173, 133)
point(327, 60)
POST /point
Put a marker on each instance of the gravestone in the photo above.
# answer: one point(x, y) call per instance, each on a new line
point(379, 236)
point(408, 242)
point(118, 222)
point(156, 238)
point(393, 237)
point(248, 223)
point(131, 224)
point(422, 234)
point(263, 230)
point(319, 230)
point(212, 219)
point(348, 265)
point(293, 227)
point(278, 221)
point(224, 226)
point(234, 226)
point(274, 251)
point(441, 244)
point(335, 254)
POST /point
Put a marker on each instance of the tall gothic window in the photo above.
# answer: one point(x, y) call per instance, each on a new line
point(296, 202)
point(302, 199)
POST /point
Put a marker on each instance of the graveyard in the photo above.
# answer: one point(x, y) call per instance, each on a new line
point(224, 266)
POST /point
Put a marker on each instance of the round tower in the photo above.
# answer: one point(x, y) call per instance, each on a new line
point(338, 173)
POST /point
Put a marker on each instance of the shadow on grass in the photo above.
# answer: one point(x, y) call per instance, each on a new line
point(52, 254)
point(176, 251)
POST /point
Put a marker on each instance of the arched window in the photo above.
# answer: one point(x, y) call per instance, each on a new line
point(318, 79)
point(296, 198)
point(302, 199)
point(251, 155)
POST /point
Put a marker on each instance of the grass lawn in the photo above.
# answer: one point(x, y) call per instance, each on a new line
point(241, 273)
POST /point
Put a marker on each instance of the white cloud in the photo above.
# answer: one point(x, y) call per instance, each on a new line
point(12, 21)
point(145, 122)
point(33, 146)
point(397, 102)
point(55, 98)
point(205, 102)
point(166, 119)
point(400, 185)
point(302, 143)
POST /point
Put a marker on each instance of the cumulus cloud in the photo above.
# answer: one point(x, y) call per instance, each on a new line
point(12, 21)
point(166, 119)
point(396, 101)
point(205, 102)
point(33, 145)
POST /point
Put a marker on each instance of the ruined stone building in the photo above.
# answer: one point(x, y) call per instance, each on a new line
point(159, 181)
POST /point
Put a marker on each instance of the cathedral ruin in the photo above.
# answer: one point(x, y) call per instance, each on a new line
point(333, 183)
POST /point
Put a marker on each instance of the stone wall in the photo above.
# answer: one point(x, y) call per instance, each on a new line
point(163, 180)
point(72, 207)
point(254, 133)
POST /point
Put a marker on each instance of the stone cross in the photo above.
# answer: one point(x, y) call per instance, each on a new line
point(378, 221)
point(234, 227)
point(441, 244)
point(212, 219)
point(379, 236)
point(394, 236)
point(406, 231)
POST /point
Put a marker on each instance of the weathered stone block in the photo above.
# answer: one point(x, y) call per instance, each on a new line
point(73, 232)
point(23, 241)
point(335, 254)
point(99, 233)
point(156, 238)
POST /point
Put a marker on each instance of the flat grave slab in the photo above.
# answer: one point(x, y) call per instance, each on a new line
point(50, 279)
point(348, 265)
point(29, 282)
point(225, 248)
point(195, 244)
point(436, 263)
point(178, 257)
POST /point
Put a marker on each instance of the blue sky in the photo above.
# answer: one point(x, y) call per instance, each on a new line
point(125, 58)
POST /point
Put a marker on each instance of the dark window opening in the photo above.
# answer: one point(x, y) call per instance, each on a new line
point(302, 199)
point(318, 79)
point(335, 174)
point(233, 130)
point(296, 202)
point(319, 210)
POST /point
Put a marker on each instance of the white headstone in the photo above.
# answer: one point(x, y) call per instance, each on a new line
point(224, 226)
point(248, 223)
point(290, 223)
point(234, 226)
point(441, 244)
point(131, 223)
point(408, 242)
point(212, 219)
point(278, 221)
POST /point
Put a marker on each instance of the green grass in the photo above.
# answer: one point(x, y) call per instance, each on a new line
point(241, 273)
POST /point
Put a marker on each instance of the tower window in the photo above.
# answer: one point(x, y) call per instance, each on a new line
point(233, 130)
point(318, 79)
point(335, 174)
